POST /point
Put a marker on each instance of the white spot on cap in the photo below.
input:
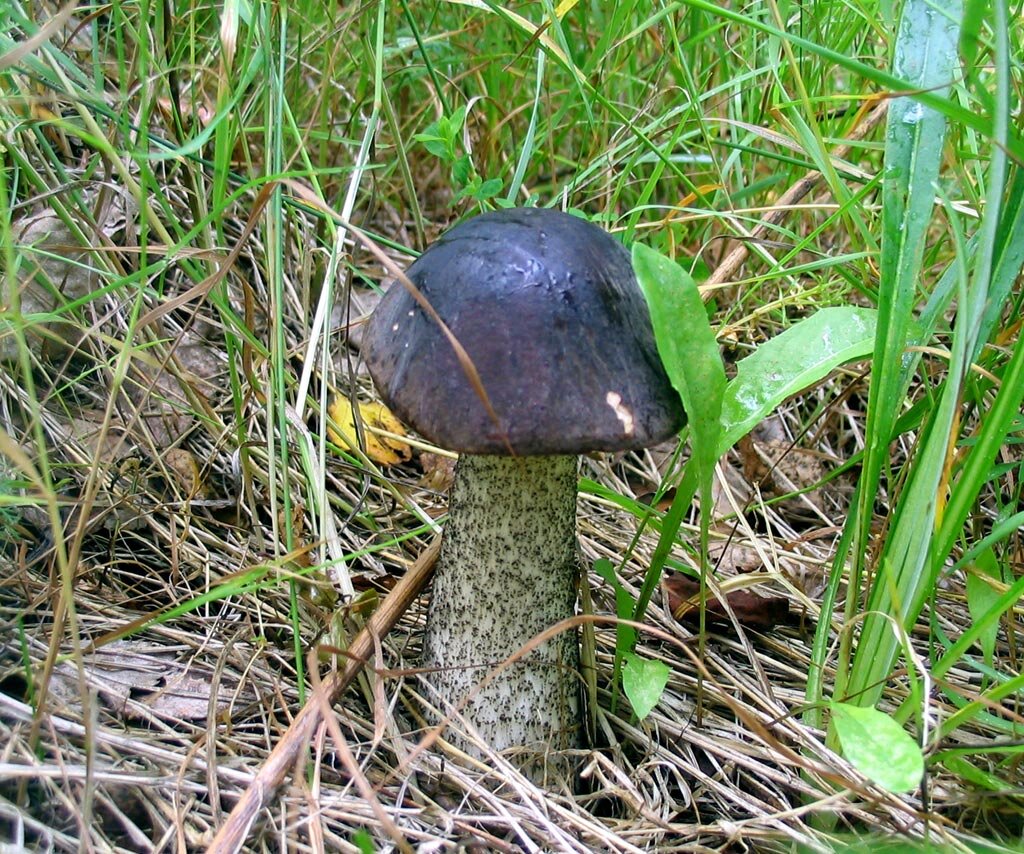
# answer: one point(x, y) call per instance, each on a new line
point(394, 328)
point(614, 400)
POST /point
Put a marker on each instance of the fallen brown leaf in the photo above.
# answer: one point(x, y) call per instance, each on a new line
point(762, 612)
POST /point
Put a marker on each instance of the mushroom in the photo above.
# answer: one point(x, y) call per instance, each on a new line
point(547, 308)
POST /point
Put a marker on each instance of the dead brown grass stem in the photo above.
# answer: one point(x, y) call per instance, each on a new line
point(257, 795)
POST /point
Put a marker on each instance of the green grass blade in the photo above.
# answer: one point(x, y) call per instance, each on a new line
point(933, 98)
point(913, 553)
point(531, 135)
point(901, 580)
point(997, 424)
point(1009, 255)
point(925, 54)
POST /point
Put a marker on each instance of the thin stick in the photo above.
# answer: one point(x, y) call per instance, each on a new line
point(282, 758)
point(724, 271)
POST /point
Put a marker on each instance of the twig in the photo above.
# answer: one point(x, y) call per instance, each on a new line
point(282, 758)
point(355, 772)
point(794, 194)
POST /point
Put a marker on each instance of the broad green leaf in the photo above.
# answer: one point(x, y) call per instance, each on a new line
point(790, 362)
point(643, 682)
point(689, 351)
point(687, 346)
point(878, 747)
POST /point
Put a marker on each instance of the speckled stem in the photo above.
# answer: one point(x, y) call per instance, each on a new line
point(507, 572)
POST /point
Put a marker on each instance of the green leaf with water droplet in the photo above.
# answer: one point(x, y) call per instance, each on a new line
point(790, 362)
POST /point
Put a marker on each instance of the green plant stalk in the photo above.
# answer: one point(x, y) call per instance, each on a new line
point(901, 582)
point(438, 88)
point(555, 26)
point(670, 525)
point(814, 691)
point(411, 191)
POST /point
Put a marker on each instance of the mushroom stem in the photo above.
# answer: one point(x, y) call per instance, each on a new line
point(508, 571)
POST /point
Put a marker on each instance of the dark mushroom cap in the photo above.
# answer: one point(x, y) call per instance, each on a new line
point(548, 309)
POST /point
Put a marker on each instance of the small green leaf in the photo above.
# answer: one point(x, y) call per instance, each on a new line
point(364, 842)
point(878, 747)
point(644, 682)
point(444, 129)
point(462, 171)
point(489, 189)
point(453, 123)
point(625, 636)
point(469, 189)
point(792, 361)
point(981, 597)
point(433, 142)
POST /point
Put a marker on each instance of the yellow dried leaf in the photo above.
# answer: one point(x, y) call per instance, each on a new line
point(374, 416)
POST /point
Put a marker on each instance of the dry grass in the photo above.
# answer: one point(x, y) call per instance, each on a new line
point(164, 557)
point(150, 744)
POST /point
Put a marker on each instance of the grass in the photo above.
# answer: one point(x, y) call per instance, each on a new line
point(182, 293)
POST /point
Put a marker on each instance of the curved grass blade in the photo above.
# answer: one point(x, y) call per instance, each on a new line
point(924, 528)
